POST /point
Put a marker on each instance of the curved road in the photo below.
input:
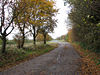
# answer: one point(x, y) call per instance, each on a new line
point(61, 61)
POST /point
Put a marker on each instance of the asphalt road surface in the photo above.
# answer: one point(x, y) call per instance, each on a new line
point(61, 61)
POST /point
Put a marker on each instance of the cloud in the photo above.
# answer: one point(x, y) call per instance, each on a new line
point(61, 16)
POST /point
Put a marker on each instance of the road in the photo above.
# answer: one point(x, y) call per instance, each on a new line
point(61, 61)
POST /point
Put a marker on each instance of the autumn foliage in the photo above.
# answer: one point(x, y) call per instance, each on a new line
point(85, 22)
point(90, 64)
point(28, 17)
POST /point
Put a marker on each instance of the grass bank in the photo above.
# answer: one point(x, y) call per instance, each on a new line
point(14, 56)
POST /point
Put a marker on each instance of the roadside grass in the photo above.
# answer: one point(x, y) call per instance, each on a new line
point(90, 61)
point(14, 56)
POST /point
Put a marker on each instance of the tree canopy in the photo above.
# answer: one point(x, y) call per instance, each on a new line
point(85, 20)
point(28, 16)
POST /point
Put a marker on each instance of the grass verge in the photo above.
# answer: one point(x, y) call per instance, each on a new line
point(15, 56)
point(90, 61)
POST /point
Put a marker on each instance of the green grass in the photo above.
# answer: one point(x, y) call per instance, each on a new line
point(15, 56)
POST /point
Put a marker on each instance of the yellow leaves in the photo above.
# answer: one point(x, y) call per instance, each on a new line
point(43, 15)
point(88, 65)
point(40, 37)
point(36, 22)
point(36, 11)
point(31, 22)
point(40, 9)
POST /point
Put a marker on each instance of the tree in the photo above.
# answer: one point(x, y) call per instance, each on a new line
point(40, 37)
point(39, 11)
point(8, 13)
point(21, 22)
point(85, 18)
point(48, 27)
point(17, 39)
point(49, 22)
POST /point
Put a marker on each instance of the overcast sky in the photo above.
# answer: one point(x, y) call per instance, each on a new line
point(62, 15)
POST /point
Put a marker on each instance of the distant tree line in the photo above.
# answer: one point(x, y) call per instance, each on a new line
point(29, 17)
point(63, 37)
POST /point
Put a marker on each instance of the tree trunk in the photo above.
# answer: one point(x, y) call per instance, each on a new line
point(34, 41)
point(4, 44)
point(23, 34)
point(19, 44)
point(34, 36)
point(23, 41)
point(44, 38)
